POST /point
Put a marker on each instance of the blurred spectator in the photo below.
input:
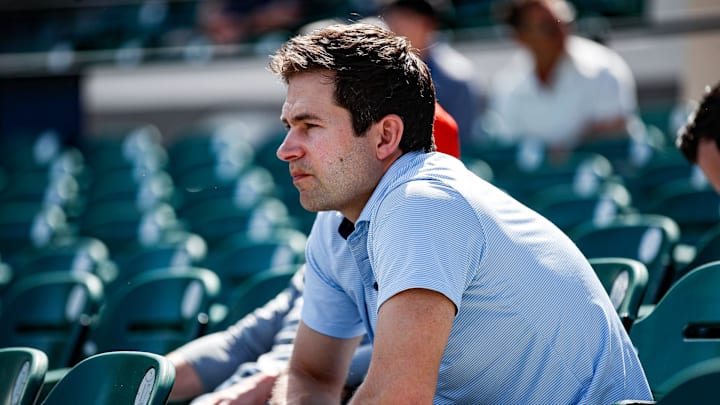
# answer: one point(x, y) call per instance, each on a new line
point(560, 89)
point(240, 364)
point(235, 21)
point(699, 139)
point(228, 21)
point(457, 85)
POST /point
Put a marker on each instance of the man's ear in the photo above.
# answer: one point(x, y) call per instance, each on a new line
point(390, 131)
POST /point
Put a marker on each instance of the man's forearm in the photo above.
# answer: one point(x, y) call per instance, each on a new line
point(187, 382)
point(298, 389)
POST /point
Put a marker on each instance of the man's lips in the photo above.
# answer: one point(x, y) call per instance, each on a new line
point(298, 175)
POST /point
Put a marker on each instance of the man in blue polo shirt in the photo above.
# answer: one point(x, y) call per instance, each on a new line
point(467, 295)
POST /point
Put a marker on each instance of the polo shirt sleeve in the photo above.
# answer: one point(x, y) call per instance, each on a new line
point(420, 239)
point(327, 308)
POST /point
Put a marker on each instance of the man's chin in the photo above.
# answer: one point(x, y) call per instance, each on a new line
point(309, 206)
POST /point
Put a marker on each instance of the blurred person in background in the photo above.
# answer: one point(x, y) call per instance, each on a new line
point(235, 21)
point(699, 139)
point(231, 22)
point(240, 364)
point(560, 89)
point(457, 85)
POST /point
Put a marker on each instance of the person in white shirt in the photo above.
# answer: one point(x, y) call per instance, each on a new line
point(560, 89)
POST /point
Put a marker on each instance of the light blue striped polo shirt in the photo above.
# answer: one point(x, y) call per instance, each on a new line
point(534, 325)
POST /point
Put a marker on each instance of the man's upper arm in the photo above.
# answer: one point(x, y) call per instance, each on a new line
point(412, 331)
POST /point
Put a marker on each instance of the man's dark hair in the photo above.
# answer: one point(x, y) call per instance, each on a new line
point(704, 123)
point(375, 73)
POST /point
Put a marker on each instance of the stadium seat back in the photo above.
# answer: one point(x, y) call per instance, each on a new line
point(50, 312)
point(22, 372)
point(696, 384)
point(648, 239)
point(116, 378)
point(156, 311)
point(682, 329)
point(625, 281)
point(254, 292)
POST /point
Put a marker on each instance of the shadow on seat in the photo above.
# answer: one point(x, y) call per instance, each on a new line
point(22, 372)
point(115, 378)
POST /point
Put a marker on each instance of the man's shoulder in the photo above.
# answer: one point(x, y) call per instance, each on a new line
point(431, 179)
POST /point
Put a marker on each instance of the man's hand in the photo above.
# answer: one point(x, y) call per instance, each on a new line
point(254, 390)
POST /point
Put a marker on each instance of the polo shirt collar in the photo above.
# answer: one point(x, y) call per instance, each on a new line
point(402, 169)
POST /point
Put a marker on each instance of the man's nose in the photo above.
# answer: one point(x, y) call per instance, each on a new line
point(289, 149)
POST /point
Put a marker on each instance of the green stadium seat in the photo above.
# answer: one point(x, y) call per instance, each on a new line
point(50, 312)
point(30, 225)
point(177, 249)
point(568, 210)
point(122, 225)
point(116, 378)
point(683, 329)
point(696, 210)
point(22, 152)
point(695, 384)
point(73, 255)
point(627, 154)
point(137, 149)
point(216, 219)
point(22, 372)
point(705, 251)
point(124, 185)
point(648, 239)
point(253, 293)
point(156, 311)
point(250, 187)
point(206, 160)
point(668, 166)
point(625, 281)
point(6, 276)
point(239, 257)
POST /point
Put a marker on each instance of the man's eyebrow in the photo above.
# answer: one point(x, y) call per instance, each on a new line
point(300, 117)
